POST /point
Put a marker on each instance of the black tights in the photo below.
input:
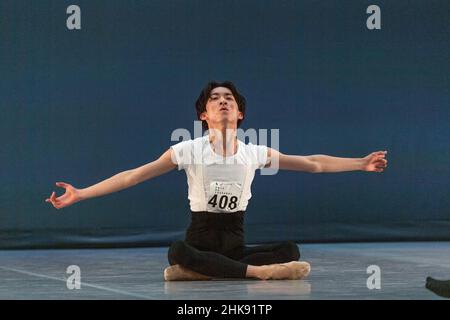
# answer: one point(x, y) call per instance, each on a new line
point(214, 246)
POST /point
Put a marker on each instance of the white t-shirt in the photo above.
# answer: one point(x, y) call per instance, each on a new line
point(217, 183)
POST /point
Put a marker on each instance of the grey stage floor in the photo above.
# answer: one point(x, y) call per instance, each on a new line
point(339, 271)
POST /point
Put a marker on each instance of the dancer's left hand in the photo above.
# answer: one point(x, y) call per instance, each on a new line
point(375, 161)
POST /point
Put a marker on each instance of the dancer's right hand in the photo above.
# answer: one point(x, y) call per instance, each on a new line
point(71, 196)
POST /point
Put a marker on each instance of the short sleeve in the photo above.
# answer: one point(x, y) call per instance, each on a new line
point(260, 154)
point(183, 153)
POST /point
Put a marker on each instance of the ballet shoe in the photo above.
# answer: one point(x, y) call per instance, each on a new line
point(179, 273)
point(294, 270)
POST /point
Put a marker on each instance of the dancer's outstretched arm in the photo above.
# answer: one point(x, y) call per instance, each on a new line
point(375, 162)
point(117, 182)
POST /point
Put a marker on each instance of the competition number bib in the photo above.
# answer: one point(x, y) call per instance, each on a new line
point(224, 196)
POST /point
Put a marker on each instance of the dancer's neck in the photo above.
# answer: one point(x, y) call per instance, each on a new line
point(223, 140)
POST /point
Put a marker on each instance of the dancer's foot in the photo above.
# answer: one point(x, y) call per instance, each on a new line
point(179, 273)
point(294, 270)
point(301, 269)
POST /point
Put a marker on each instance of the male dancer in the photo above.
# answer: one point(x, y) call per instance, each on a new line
point(220, 169)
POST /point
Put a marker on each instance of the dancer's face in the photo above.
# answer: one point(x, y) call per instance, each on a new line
point(221, 109)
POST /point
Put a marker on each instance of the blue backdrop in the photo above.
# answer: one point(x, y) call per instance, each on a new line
point(82, 105)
